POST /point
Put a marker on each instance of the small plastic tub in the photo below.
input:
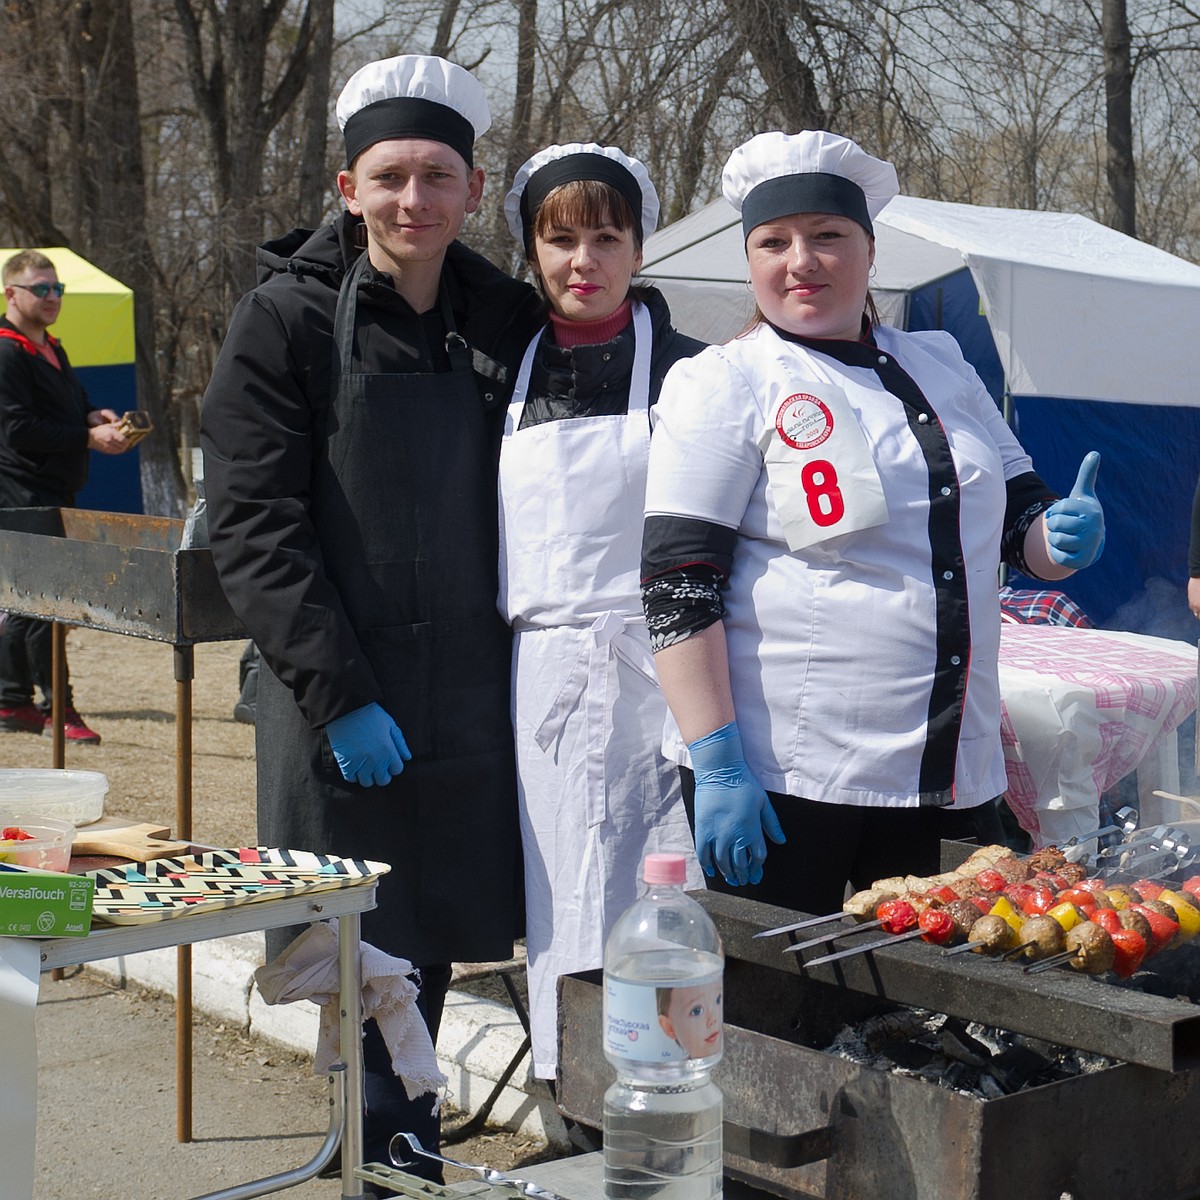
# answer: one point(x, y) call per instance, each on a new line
point(43, 843)
point(28, 793)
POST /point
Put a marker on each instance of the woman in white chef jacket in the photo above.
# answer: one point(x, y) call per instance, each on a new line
point(595, 792)
point(827, 506)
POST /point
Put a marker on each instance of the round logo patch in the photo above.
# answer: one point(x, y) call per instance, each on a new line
point(803, 421)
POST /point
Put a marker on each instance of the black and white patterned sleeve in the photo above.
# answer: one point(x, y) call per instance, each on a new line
point(1028, 498)
point(685, 563)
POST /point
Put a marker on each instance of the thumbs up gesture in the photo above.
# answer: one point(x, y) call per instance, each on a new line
point(1075, 524)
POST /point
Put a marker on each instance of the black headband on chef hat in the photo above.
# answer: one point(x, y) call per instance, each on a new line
point(815, 192)
point(412, 96)
point(776, 175)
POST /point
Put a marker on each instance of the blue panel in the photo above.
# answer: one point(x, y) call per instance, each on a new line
point(1150, 461)
point(952, 304)
point(114, 481)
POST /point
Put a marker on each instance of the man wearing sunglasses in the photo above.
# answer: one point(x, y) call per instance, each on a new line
point(47, 427)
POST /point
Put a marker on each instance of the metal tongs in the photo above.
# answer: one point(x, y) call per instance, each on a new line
point(404, 1145)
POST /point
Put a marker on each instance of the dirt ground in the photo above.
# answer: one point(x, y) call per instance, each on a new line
point(125, 689)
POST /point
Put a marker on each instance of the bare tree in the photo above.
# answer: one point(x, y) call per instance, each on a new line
point(1118, 95)
point(243, 82)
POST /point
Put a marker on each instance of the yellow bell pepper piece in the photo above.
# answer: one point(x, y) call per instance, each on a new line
point(1188, 915)
point(1004, 909)
point(1066, 914)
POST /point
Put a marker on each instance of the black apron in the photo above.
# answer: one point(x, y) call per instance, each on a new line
point(404, 507)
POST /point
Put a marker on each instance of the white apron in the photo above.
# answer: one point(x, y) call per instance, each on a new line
point(595, 793)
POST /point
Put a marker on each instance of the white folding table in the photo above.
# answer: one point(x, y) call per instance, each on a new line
point(345, 904)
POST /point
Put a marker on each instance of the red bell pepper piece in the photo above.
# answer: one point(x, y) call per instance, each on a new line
point(1129, 949)
point(1162, 929)
point(1040, 900)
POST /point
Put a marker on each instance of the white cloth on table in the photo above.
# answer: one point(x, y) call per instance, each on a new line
point(308, 970)
point(1082, 708)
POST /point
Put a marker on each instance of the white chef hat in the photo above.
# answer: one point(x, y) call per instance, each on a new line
point(776, 174)
point(414, 96)
point(555, 165)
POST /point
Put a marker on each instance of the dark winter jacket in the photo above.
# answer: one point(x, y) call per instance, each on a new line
point(264, 427)
point(593, 381)
point(43, 425)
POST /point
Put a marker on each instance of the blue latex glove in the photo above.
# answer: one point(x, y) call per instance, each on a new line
point(1075, 524)
point(732, 810)
point(368, 746)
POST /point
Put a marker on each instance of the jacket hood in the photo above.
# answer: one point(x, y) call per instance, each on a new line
point(325, 252)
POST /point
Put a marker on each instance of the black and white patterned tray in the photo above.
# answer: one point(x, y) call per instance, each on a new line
point(211, 879)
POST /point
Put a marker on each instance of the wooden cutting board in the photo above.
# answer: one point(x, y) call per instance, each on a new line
point(136, 841)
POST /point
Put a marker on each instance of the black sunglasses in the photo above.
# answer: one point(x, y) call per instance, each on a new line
point(42, 290)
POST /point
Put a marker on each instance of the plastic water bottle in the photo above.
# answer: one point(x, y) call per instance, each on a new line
point(663, 1032)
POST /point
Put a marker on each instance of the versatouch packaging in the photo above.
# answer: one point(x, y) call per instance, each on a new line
point(44, 904)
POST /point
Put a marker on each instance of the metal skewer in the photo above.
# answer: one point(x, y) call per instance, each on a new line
point(1128, 818)
point(808, 924)
point(833, 937)
point(949, 950)
point(1149, 836)
point(1013, 954)
point(1127, 823)
point(1177, 851)
point(1055, 960)
point(875, 945)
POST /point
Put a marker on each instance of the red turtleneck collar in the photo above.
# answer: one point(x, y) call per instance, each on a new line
point(591, 333)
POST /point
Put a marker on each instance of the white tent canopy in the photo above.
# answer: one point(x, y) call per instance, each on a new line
point(1077, 310)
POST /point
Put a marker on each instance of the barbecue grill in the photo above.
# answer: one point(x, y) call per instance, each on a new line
point(801, 1122)
point(121, 572)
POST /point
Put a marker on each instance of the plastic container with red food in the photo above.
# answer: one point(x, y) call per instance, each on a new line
point(43, 844)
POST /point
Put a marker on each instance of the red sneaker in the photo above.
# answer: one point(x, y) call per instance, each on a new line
point(26, 718)
point(74, 730)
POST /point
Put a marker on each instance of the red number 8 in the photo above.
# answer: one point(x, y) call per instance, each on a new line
point(825, 503)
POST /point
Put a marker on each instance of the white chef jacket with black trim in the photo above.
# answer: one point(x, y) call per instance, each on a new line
point(863, 667)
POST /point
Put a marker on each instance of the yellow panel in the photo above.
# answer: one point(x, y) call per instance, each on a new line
point(96, 322)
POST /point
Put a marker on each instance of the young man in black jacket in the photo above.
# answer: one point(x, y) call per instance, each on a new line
point(350, 433)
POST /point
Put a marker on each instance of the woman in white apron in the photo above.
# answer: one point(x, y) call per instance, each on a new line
point(828, 503)
point(595, 793)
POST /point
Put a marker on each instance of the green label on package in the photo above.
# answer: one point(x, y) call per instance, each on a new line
point(44, 904)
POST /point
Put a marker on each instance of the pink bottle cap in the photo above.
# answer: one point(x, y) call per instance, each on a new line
point(664, 868)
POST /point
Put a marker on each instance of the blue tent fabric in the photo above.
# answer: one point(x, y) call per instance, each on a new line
point(952, 303)
point(114, 481)
point(1149, 463)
